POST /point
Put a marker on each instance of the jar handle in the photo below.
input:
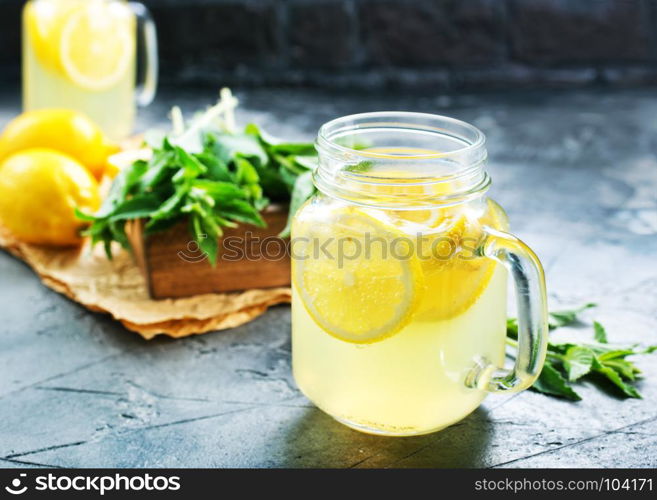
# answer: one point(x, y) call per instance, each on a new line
point(531, 299)
point(147, 40)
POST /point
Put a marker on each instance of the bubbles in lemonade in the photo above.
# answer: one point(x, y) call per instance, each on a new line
point(392, 308)
point(80, 54)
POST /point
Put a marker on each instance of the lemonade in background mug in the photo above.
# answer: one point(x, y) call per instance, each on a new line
point(82, 54)
point(399, 271)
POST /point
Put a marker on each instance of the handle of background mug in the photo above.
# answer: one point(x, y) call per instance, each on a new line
point(147, 34)
point(531, 298)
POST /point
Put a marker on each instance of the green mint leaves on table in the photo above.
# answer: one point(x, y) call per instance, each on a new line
point(597, 361)
point(209, 174)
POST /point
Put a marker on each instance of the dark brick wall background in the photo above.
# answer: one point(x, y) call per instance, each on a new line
point(388, 43)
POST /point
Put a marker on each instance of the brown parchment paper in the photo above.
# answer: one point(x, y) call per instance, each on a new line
point(116, 287)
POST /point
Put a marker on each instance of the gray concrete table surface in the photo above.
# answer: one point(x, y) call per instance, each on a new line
point(577, 173)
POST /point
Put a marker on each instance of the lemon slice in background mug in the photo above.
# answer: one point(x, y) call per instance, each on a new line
point(43, 23)
point(359, 298)
point(97, 45)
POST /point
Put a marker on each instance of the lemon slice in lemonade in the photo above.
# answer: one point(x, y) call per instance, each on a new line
point(355, 291)
point(97, 44)
point(455, 276)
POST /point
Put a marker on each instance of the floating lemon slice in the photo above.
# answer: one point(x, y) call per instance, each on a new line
point(455, 275)
point(357, 295)
point(97, 45)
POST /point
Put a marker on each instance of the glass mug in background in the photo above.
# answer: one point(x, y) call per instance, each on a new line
point(82, 55)
point(399, 276)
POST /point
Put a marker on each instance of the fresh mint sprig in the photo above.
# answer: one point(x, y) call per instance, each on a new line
point(597, 361)
point(209, 174)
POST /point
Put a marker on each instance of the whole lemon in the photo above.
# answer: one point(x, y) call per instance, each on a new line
point(63, 130)
point(39, 191)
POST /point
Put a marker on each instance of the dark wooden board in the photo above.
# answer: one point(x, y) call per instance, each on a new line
point(249, 257)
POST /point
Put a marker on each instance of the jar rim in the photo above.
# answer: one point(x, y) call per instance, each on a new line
point(438, 150)
point(409, 120)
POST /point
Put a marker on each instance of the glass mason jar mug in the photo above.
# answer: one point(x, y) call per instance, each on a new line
point(82, 54)
point(399, 271)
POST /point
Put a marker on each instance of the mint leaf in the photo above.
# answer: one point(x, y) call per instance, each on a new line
point(625, 369)
point(205, 240)
point(595, 360)
point(614, 353)
point(303, 189)
point(567, 316)
point(168, 209)
point(615, 378)
point(361, 167)
point(228, 146)
point(600, 333)
point(83, 216)
point(124, 184)
point(577, 361)
point(290, 148)
point(551, 382)
point(277, 145)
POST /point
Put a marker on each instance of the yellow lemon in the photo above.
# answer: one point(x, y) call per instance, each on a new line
point(357, 292)
point(63, 130)
point(39, 191)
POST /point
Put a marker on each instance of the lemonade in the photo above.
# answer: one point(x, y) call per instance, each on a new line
point(81, 55)
point(399, 278)
point(371, 387)
point(391, 371)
